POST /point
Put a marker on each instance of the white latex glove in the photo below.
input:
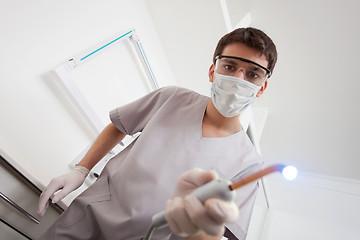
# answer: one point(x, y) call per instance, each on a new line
point(187, 216)
point(65, 183)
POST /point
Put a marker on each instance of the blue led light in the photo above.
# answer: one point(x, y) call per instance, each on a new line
point(289, 172)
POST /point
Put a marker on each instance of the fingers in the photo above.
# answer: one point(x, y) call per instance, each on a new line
point(61, 194)
point(68, 183)
point(188, 216)
point(42, 208)
point(49, 191)
point(200, 217)
point(222, 211)
point(199, 177)
point(190, 180)
point(178, 219)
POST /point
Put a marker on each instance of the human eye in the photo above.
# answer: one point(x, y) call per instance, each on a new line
point(252, 75)
point(229, 67)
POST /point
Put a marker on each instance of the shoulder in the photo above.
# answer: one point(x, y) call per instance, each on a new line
point(172, 89)
point(179, 92)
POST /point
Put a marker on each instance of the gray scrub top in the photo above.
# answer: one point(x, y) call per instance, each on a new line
point(137, 182)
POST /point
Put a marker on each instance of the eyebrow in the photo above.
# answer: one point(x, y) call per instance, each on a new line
point(230, 61)
point(256, 68)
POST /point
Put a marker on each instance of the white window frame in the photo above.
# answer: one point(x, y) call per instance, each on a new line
point(67, 82)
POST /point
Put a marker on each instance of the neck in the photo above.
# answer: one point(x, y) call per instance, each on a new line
point(216, 125)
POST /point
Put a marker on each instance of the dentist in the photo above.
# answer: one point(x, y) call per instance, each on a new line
point(181, 132)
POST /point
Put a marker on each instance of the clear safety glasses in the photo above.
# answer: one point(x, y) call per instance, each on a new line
point(231, 66)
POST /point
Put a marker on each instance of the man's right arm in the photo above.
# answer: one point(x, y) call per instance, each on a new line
point(103, 144)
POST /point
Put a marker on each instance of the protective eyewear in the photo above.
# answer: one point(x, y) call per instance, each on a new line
point(231, 66)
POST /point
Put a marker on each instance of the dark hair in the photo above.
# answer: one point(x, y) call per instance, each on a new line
point(253, 38)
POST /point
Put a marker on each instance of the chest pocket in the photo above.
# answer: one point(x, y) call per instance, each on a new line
point(99, 191)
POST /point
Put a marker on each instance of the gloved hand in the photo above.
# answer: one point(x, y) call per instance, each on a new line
point(186, 215)
point(66, 183)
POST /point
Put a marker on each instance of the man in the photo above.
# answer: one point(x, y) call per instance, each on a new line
point(181, 130)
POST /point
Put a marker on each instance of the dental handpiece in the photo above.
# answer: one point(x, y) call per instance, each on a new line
point(219, 188)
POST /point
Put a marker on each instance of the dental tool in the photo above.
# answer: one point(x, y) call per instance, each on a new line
point(222, 189)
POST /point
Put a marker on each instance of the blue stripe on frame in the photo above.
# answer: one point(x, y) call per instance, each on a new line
point(104, 46)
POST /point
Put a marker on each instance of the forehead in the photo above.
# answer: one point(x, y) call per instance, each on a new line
point(243, 51)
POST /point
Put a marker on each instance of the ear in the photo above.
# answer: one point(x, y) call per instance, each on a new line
point(262, 89)
point(211, 73)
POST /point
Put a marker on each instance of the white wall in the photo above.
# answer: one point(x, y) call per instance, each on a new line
point(312, 207)
point(38, 121)
point(284, 225)
point(312, 98)
point(189, 31)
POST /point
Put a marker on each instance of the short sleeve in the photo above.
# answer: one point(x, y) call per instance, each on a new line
point(133, 117)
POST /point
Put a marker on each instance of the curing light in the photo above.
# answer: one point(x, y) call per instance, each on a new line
point(289, 172)
point(223, 189)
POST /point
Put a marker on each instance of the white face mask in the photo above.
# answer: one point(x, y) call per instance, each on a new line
point(231, 95)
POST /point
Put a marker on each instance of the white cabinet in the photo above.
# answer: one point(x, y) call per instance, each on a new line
point(18, 205)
